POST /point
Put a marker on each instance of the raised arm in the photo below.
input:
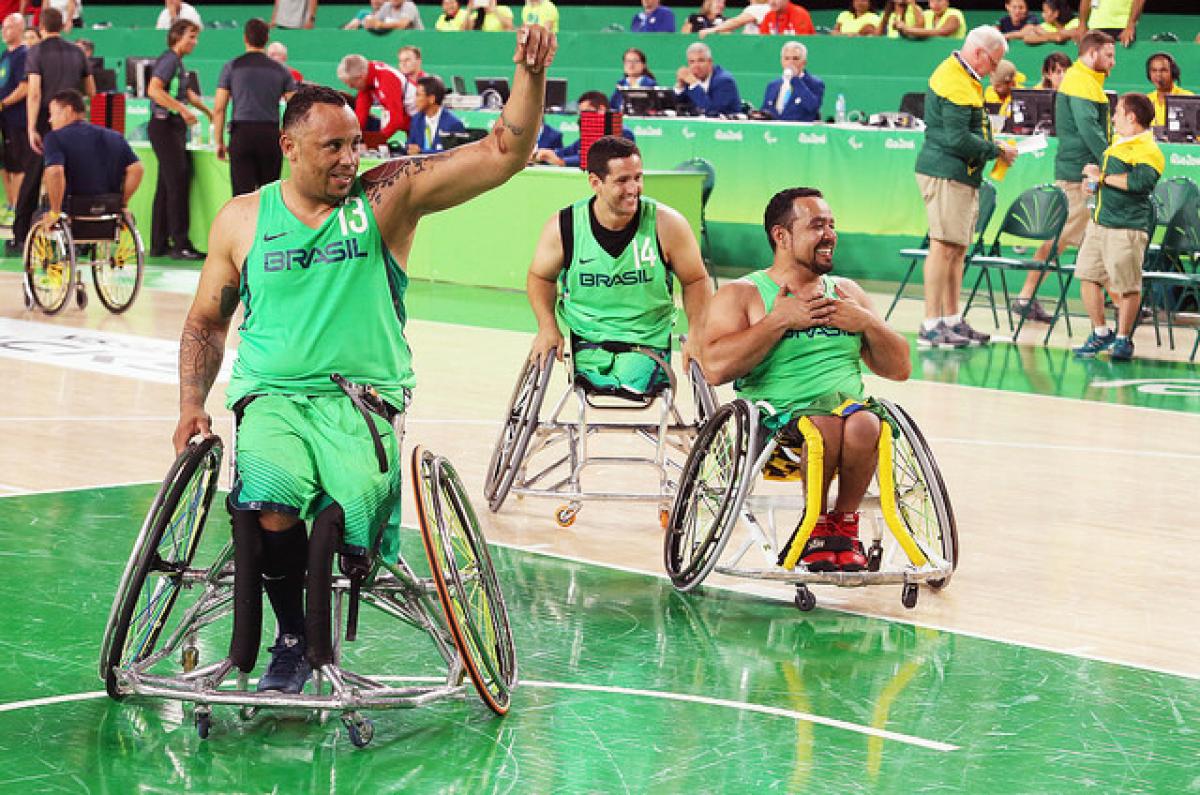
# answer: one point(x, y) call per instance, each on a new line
point(541, 287)
point(683, 254)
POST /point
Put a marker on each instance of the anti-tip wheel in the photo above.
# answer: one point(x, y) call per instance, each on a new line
point(908, 597)
point(360, 729)
point(203, 723)
point(565, 515)
point(805, 600)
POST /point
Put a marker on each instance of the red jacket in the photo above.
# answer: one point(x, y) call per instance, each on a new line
point(385, 87)
point(792, 21)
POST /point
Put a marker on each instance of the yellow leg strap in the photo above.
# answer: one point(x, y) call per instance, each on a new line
point(887, 500)
point(814, 482)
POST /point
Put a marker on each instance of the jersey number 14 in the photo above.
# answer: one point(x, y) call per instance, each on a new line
point(644, 256)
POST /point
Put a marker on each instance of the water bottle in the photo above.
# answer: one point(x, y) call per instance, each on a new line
point(1092, 188)
point(839, 114)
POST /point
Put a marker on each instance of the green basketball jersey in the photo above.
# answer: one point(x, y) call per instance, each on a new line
point(321, 301)
point(617, 299)
point(804, 364)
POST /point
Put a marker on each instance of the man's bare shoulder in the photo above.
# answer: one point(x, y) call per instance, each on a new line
point(233, 228)
point(382, 180)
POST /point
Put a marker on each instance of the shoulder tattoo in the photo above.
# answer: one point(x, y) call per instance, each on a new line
point(379, 180)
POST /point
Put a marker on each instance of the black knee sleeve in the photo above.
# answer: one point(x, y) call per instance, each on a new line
point(326, 537)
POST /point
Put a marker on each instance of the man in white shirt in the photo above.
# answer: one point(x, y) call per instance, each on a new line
point(174, 10)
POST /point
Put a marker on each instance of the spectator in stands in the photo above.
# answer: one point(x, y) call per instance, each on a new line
point(174, 10)
point(637, 74)
point(1117, 18)
point(1082, 123)
point(53, 65)
point(858, 20)
point(294, 14)
point(277, 51)
point(958, 144)
point(376, 84)
point(71, 10)
point(1058, 25)
point(938, 21)
point(653, 18)
point(170, 92)
point(1013, 24)
point(1163, 72)
point(797, 95)
point(488, 16)
point(408, 59)
point(709, 88)
point(31, 37)
point(1004, 79)
point(431, 120)
point(896, 12)
point(1053, 68)
point(12, 109)
point(540, 12)
point(256, 83)
point(394, 15)
point(589, 102)
point(775, 17)
point(712, 12)
point(356, 23)
point(84, 159)
point(453, 16)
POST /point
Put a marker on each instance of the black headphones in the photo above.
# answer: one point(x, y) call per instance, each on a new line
point(1170, 60)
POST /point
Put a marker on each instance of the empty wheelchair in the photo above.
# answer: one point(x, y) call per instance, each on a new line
point(93, 232)
point(170, 611)
point(718, 522)
point(547, 457)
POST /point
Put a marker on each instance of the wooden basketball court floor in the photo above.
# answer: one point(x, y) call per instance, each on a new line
point(1063, 657)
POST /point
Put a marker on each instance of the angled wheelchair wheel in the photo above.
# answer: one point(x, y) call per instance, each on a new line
point(465, 579)
point(706, 510)
point(704, 396)
point(49, 267)
point(519, 423)
point(164, 549)
point(117, 267)
point(921, 496)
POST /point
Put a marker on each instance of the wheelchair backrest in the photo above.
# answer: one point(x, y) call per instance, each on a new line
point(94, 218)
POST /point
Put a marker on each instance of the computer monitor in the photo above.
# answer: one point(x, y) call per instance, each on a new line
point(1031, 111)
point(647, 101)
point(106, 79)
point(460, 85)
point(95, 64)
point(913, 103)
point(556, 93)
point(137, 74)
point(1183, 118)
point(497, 84)
point(452, 139)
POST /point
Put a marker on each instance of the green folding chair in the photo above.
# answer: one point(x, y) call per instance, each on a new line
point(915, 256)
point(1172, 286)
point(699, 164)
point(1171, 198)
point(1039, 213)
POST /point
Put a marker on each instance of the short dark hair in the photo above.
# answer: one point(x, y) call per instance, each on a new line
point(179, 29)
point(1094, 39)
point(71, 99)
point(594, 97)
point(782, 208)
point(305, 97)
point(52, 21)
point(1140, 106)
point(607, 148)
point(434, 87)
point(1063, 7)
point(256, 33)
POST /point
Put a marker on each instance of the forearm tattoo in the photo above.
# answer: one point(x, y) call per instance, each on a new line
point(200, 355)
point(379, 180)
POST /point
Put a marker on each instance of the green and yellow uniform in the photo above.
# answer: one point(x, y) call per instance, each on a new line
point(317, 302)
point(1160, 103)
point(1143, 161)
point(958, 136)
point(1082, 121)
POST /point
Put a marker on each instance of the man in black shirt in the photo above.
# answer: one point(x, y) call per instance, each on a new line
point(256, 84)
point(52, 66)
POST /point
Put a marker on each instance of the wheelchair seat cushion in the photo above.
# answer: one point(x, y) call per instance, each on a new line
point(631, 375)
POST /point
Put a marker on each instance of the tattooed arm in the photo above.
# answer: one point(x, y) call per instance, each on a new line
point(202, 344)
point(401, 191)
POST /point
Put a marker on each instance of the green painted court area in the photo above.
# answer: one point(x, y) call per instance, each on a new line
point(627, 686)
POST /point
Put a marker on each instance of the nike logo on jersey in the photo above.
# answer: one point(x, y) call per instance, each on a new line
point(269, 238)
point(586, 260)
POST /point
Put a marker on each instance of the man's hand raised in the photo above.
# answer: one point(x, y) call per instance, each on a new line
point(535, 48)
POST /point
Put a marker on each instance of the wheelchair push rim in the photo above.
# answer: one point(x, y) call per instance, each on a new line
point(705, 509)
point(465, 579)
point(49, 267)
point(164, 548)
point(519, 423)
point(117, 267)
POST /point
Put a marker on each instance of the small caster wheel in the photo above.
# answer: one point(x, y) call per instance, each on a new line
point(875, 556)
point(360, 729)
point(247, 713)
point(203, 723)
point(936, 585)
point(805, 601)
point(565, 515)
point(28, 301)
point(908, 597)
point(81, 298)
point(189, 658)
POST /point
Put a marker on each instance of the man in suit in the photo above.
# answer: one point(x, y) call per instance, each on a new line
point(797, 95)
point(709, 88)
point(430, 121)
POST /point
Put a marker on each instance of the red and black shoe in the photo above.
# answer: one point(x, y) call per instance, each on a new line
point(822, 549)
point(852, 556)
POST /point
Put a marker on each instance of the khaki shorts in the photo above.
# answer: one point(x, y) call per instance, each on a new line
point(1113, 257)
point(952, 208)
point(1077, 214)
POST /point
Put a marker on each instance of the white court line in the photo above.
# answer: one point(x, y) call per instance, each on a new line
point(41, 702)
point(30, 492)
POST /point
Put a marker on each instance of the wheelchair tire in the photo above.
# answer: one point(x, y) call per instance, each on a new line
point(164, 548)
point(49, 267)
point(465, 579)
point(519, 423)
point(704, 396)
point(713, 473)
point(117, 268)
point(921, 496)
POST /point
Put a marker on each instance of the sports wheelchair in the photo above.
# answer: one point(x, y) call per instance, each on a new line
point(94, 231)
point(734, 451)
point(560, 445)
point(166, 607)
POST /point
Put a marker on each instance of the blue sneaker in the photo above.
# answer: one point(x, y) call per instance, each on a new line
point(1122, 349)
point(1095, 344)
point(288, 670)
